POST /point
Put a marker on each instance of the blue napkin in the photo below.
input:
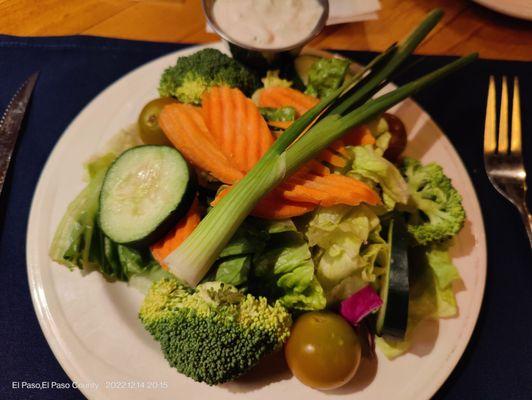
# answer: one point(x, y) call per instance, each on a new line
point(497, 363)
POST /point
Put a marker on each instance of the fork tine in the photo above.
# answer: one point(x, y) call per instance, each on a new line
point(516, 120)
point(503, 119)
point(490, 143)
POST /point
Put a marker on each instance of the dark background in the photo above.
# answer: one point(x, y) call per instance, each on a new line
point(497, 364)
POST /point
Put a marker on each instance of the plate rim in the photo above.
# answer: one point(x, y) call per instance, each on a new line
point(513, 9)
point(38, 297)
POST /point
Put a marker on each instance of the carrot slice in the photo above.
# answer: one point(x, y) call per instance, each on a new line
point(359, 135)
point(280, 124)
point(332, 158)
point(338, 146)
point(176, 236)
point(213, 118)
point(184, 126)
point(273, 205)
point(312, 167)
point(337, 155)
point(282, 96)
point(295, 190)
point(328, 190)
point(357, 191)
point(236, 125)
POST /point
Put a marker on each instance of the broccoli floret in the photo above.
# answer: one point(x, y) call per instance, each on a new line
point(436, 211)
point(193, 75)
point(214, 333)
point(273, 79)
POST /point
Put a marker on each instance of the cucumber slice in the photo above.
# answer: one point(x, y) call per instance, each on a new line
point(392, 318)
point(302, 65)
point(145, 191)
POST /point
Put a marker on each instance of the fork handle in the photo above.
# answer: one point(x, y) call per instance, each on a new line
point(527, 221)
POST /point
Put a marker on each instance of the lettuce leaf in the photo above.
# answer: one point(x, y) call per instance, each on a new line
point(380, 130)
point(272, 259)
point(78, 241)
point(312, 298)
point(233, 270)
point(250, 238)
point(367, 165)
point(286, 113)
point(120, 262)
point(431, 293)
point(285, 271)
point(326, 75)
point(350, 248)
point(73, 237)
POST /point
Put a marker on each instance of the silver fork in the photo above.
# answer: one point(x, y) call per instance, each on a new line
point(503, 157)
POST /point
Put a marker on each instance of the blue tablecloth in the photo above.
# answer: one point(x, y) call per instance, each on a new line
point(498, 361)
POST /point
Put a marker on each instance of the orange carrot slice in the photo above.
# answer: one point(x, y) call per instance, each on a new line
point(294, 189)
point(280, 124)
point(237, 126)
point(328, 190)
point(359, 135)
point(282, 96)
point(184, 126)
point(312, 167)
point(220, 195)
point(176, 236)
point(337, 155)
point(273, 205)
point(357, 191)
point(338, 146)
point(332, 158)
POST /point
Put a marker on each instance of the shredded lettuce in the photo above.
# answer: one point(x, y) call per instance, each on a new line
point(71, 244)
point(431, 294)
point(381, 131)
point(367, 165)
point(350, 248)
point(272, 259)
point(326, 75)
point(120, 262)
point(78, 241)
point(278, 114)
point(234, 270)
point(250, 238)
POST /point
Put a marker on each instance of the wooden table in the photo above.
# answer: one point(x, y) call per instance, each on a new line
point(466, 26)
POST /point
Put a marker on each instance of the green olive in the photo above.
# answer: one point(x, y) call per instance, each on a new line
point(150, 132)
point(323, 351)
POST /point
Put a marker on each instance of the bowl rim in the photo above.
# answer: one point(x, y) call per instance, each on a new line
point(207, 6)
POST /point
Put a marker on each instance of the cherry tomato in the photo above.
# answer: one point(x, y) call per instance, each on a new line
point(150, 132)
point(398, 140)
point(323, 351)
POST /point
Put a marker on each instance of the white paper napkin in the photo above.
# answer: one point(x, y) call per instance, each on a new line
point(343, 11)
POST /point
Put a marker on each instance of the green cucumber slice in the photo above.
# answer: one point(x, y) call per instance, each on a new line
point(145, 191)
point(392, 318)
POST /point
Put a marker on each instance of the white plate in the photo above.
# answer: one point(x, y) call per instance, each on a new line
point(515, 8)
point(92, 326)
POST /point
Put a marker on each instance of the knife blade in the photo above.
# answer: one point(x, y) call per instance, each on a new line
point(10, 124)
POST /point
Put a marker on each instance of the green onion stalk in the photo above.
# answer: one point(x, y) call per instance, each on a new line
point(348, 106)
